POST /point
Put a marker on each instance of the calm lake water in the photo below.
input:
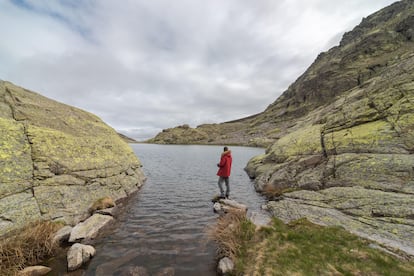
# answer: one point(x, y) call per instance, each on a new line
point(164, 225)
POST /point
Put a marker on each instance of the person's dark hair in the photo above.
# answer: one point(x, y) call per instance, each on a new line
point(226, 148)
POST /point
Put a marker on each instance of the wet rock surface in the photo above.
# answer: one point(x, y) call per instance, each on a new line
point(225, 266)
point(89, 229)
point(37, 270)
point(225, 205)
point(78, 255)
point(62, 236)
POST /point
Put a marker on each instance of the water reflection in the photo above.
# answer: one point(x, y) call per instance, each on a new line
point(164, 224)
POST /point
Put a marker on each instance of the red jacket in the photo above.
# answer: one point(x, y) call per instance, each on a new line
point(225, 164)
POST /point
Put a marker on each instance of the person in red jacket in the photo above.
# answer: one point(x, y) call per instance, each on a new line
point(224, 172)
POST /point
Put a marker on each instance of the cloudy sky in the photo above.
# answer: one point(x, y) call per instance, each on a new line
point(146, 65)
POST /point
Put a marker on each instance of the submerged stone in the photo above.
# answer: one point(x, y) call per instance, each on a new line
point(37, 270)
point(225, 266)
point(90, 228)
point(62, 235)
point(78, 255)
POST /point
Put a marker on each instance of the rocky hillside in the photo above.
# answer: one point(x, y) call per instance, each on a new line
point(383, 39)
point(341, 136)
point(56, 160)
point(345, 153)
point(250, 131)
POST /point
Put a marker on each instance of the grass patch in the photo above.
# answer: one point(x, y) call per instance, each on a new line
point(303, 248)
point(230, 233)
point(27, 247)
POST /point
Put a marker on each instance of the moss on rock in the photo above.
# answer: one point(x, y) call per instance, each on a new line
point(59, 158)
point(346, 139)
point(17, 210)
point(16, 167)
point(376, 136)
point(303, 141)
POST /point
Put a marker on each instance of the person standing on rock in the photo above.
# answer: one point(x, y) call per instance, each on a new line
point(224, 172)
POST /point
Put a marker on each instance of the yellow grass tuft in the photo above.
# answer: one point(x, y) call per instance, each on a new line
point(271, 191)
point(27, 247)
point(102, 203)
point(228, 232)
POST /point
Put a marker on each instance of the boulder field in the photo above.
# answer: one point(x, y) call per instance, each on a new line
point(56, 160)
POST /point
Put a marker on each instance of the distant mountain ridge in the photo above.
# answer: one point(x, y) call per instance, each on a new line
point(340, 139)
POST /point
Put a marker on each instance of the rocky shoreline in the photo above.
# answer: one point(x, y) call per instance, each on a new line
point(78, 241)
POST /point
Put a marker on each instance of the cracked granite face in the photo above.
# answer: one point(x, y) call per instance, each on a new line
point(56, 160)
point(345, 156)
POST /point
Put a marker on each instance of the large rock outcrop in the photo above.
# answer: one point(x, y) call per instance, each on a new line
point(345, 151)
point(56, 160)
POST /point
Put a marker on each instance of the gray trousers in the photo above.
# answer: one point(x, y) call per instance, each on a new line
point(220, 184)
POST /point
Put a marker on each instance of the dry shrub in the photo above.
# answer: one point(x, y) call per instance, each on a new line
point(273, 192)
point(27, 247)
point(229, 233)
point(102, 203)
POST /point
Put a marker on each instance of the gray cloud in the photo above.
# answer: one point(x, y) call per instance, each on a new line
point(147, 65)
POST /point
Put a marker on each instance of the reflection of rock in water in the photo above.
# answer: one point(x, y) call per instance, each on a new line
point(119, 266)
point(168, 271)
point(112, 266)
point(133, 271)
point(142, 271)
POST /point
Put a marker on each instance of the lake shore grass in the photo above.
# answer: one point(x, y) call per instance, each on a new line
point(300, 248)
point(28, 246)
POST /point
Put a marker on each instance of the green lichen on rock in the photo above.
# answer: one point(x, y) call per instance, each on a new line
point(304, 141)
point(347, 135)
point(387, 172)
point(405, 127)
point(376, 136)
point(17, 210)
point(16, 168)
point(79, 153)
point(59, 158)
